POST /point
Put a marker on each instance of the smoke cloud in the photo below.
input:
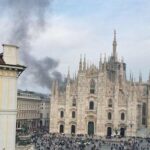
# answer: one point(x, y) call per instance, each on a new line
point(26, 15)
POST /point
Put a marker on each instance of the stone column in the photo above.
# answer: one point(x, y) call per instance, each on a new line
point(9, 72)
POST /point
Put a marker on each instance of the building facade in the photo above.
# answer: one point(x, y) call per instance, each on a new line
point(9, 73)
point(31, 110)
point(101, 101)
point(44, 113)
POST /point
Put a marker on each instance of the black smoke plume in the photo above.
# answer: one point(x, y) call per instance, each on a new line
point(24, 14)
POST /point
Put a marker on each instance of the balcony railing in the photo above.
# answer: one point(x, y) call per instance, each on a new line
point(91, 111)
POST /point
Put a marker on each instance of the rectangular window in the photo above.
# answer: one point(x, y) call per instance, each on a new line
point(41, 115)
point(47, 115)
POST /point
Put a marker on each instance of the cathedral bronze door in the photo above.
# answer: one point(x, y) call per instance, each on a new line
point(73, 129)
point(61, 129)
point(90, 128)
point(122, 132)
point(109, 131)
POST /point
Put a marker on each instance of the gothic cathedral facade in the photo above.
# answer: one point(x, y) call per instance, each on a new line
point(101, 101)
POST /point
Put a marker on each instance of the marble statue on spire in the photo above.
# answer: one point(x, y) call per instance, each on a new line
point(115, 46)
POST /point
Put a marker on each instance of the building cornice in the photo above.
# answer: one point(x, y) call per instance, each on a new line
point(18, 68)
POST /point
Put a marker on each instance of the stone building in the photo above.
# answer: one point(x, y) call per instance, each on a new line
point(44, 112)
point(101, 101)
point(30, 109)
point(10, 70)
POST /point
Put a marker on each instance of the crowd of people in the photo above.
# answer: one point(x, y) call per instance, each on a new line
point(63, 142)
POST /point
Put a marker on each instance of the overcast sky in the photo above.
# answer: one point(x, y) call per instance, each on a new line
point(75, 27)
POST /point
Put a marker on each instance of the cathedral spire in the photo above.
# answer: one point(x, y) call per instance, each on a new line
point(105, 63)
point(80, 63)
point(115, 46)
point(84, 63)
point(100, 62)
point(53, 87)
point(140, 77)
point(56, 88)
point(68, 76)
point(131, 77)
point(105, 58)
point(75, 76)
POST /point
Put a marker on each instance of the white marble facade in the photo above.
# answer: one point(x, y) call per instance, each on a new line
point(101, 100)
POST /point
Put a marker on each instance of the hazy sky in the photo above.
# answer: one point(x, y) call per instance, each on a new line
point(75, 27)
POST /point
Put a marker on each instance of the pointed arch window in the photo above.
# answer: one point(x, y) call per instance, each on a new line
point(92, 86)
point(91, 105)
point(122, 116)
